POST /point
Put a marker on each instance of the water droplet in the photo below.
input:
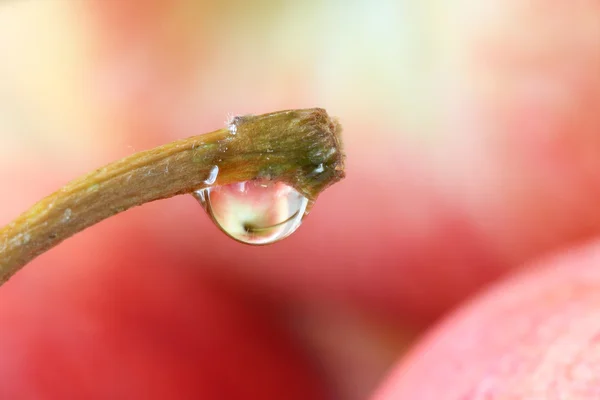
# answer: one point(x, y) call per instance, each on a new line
point(212, 175)
point(232, 128)
point(67, 215)
point(254, 212)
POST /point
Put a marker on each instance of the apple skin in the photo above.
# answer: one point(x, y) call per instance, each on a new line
point(532, 336)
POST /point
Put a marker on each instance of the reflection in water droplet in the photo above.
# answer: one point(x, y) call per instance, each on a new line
point(254, 212)
point(212, 175)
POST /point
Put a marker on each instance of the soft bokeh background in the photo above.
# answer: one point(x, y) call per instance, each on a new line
point(471, 130)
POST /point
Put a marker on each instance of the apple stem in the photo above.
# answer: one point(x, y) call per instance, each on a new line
point(287, 146)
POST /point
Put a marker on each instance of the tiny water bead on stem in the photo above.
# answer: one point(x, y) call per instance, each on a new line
point(257, 178)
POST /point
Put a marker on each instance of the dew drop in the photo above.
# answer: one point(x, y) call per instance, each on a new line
point(67, 215)
point(212, 175)
point(254, 212)
point(232, 128)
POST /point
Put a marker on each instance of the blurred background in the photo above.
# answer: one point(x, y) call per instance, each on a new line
point(471, 135)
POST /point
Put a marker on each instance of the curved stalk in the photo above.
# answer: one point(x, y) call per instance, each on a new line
point(299, 147)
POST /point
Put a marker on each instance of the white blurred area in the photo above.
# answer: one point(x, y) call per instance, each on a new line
point(103, 74)
point(43, 104)
point(69, 79)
